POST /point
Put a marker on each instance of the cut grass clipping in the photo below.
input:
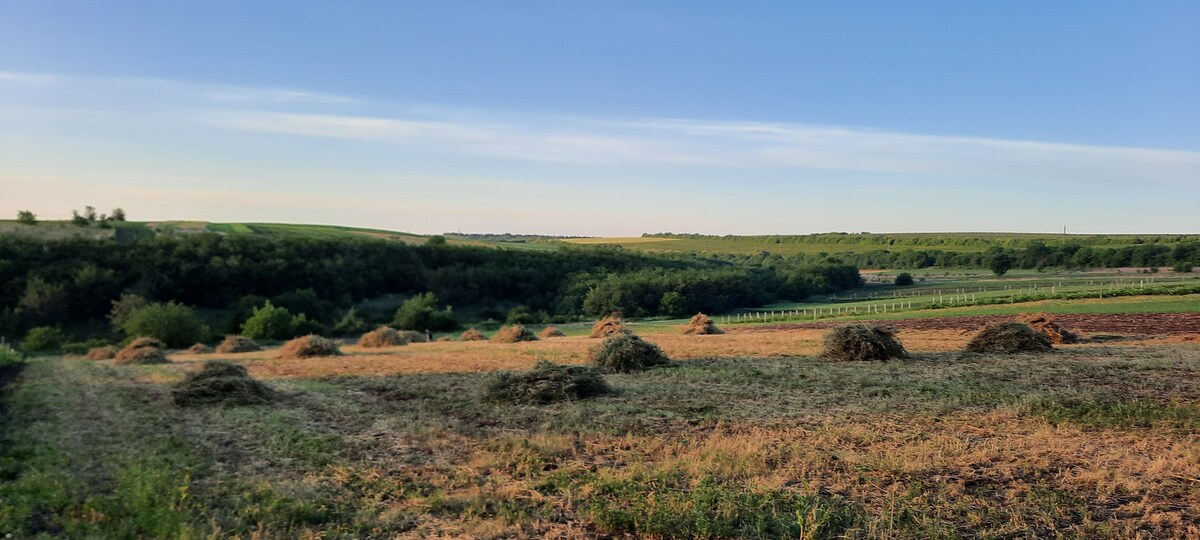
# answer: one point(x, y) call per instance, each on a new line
point(472, 335)
point(220, 383)
point(101, 353)
point(609, 326)
point(513, 334)
point(1009, 338)
point(627, 353)
point(143, 350)
point(701, 324)
point(546, 383)
point(237, 344)
point(199, 348)
point(859, 342)
point(1047, 326)
point(309, 346)
point(550, 332)
point(384, 336)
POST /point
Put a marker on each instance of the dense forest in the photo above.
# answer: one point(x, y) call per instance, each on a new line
point(77, 284)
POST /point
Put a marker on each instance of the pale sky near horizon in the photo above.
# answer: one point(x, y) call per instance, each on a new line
point(607, 119)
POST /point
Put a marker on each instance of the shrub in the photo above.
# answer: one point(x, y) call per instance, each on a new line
point(350, 324)
point(221, 383)
point(472, 335)
point(627, 353)
point(43, 338)
point(1009, 338)
point(674, 304)
point(513, 334)
point(101, 353)
point(550, 332)
point(522, 315)
point(8, 355)
point(123, 308)
point(308, 347)
point(701, 324)
point(237, 344)
point(546, 383)
point(25, 217)
point(174, 324)
point(863, 342)
point(269, 322)
point(420, 313)
point(384, 336)
point(904, 279)
point(142, 350)
point(609, 326)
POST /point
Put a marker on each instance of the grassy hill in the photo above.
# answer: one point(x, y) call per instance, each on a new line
point(120, 229)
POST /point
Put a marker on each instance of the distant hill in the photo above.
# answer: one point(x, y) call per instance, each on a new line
point(130, 229)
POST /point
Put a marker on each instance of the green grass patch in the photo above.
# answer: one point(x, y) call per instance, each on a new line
point(1112, 413)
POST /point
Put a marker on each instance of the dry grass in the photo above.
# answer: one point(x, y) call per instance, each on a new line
point(513, 334)
point(310, 346)
point(198, 348)
point(551, 332)
point(1045, 323)
point(1009, 338)
point(142, 350)
point(472, 335)
point(237, 344)
point(384, 336)
point(701, 324)
point(858, 342)
point(609, 326)
point(101, 353)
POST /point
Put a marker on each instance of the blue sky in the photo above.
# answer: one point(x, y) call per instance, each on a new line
point(608, 118)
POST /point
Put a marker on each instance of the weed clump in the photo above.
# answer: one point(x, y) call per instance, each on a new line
point(547, 383)
point(609, 326)
point(863, 342)
point(308, 347)
point(472, 335)
point(143, 350)
point(701, 324)
point(1047, 326)
point(384, 336)
point(1009, 338)
point(513, 334)
point(199, 348)
point(237, 344)
point(221, 382)
point(550, 332)
point(627, 353)
point(101, 353)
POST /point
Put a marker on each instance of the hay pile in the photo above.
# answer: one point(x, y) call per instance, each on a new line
point(384, 336)
point(143, 350)
point(1044, 323)
point(627, 353)
point(863, 342)
point(308, 347)
point(1009, 338)
point(199, 348)
point(221, 382)
point(701, 324)
point(513, 334)
point(550, 332)
point(609, 326)
point(413, 336)
point(237, 344)
point(445, 339)
point(472, 335)
point(101, 353)
point(547, 383)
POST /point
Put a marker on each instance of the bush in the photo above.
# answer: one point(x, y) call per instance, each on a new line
point(513, 334)
point(270, 322)
point(863, 342)
point(42, 339)
point(384, 336)
point(1009, 338)
point(350, 324)
point(8, 355)
point(674, 304)
point(546, 383)
point(308, 347)
point(420, 313)
point(627, 353)
point(25, 217)
point(221, 383)
point(174, 324)
point(237, 344)
point(142, 350)
point(904, 279)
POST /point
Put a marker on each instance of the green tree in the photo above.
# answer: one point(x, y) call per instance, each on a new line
point(270, 322)
point(1000, 263)
point(674, 304)
point(349, 324)
point(43, 338)
point(26, 217)
point(44, 300)
point(123, 307)
point(436, 240)
point(421, 313)
point(176, 325)
point(904, 279)
point(118, 214)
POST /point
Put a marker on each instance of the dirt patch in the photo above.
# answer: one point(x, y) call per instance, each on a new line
point(1112, 323)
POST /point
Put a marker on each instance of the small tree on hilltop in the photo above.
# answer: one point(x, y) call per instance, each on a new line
point(25, 217)
point(903, 280)
point(118, 214)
